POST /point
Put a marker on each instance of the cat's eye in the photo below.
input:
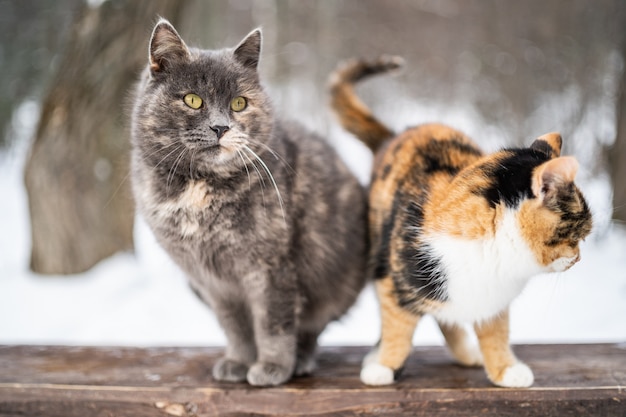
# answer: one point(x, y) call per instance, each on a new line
point(193, 100)
point(238, 103)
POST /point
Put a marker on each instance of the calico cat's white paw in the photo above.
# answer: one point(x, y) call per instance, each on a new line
point(376, 374)
point(517, 376)
point(371, 357)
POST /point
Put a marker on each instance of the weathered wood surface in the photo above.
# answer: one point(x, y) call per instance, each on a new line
point(571, 380)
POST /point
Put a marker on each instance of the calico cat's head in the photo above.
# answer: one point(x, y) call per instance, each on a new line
point(197, 110)
point(552, 214)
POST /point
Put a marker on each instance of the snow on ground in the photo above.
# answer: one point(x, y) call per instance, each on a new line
point(142, 299)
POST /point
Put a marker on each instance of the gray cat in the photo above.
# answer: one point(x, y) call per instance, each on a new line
point(265, 219)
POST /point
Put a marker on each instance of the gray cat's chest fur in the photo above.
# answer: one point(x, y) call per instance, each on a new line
point(214, 231)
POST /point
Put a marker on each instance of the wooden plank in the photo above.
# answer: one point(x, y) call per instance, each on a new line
point(571, 380)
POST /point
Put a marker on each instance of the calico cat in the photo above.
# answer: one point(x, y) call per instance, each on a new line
point(265, 219)
point(456, 233)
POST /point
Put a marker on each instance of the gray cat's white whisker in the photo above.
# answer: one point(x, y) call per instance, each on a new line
point(166, 156)
point(270, 150)
point(158, 148)
point(269, 173)
point(259, 175)
point(256, 168)
point(193, 155)
point(276, 154)
point(246, 167)
point(170, 175)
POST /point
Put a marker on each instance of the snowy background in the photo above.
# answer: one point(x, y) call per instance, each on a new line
point(142, 299)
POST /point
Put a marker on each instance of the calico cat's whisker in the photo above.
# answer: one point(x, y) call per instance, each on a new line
point(269, 173)
point(559, 285)
point(616, 208)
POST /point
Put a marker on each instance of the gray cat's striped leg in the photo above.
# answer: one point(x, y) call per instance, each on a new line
point(240, 350)
point(307, 343)
point(274, 316)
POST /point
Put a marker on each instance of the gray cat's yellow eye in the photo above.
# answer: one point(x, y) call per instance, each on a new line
point(238, 103)
point(193, 100)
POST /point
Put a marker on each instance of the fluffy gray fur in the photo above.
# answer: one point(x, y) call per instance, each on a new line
point(264, 218)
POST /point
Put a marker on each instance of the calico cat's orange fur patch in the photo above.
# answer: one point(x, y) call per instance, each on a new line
point(493, 337)
point(398, 327)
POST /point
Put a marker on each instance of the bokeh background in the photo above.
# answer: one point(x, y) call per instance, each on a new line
point(78, 267)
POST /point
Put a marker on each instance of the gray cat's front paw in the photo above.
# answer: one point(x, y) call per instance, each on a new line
point(264, 374)
point(305, 366)
point(228, 370)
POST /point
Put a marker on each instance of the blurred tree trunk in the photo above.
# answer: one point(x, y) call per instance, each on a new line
point(80, 206)
point(617, 155)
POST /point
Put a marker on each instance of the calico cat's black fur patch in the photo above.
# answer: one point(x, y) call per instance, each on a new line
point(511, 176)
point(421, 270)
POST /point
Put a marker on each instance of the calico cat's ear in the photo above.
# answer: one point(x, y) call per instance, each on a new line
point(249, 50)
point(550, 144)
point(166, 47)
point(549, 175)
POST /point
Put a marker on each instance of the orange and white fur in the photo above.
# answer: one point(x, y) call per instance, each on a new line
point(456, 233)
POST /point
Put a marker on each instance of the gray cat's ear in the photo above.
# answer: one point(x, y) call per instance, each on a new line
point(249, 50)
point(166, 47)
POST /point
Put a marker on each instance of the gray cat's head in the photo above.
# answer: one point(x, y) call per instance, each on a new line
point(196, 109)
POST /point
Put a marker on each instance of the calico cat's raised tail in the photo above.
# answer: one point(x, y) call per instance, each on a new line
point(354, 116)
point(456, 233)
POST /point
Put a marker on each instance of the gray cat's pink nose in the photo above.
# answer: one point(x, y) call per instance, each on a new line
point(220, 130)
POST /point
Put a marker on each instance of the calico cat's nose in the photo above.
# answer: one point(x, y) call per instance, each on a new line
point(219, 130)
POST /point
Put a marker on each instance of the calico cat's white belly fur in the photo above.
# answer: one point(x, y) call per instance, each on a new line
point(483, 275)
